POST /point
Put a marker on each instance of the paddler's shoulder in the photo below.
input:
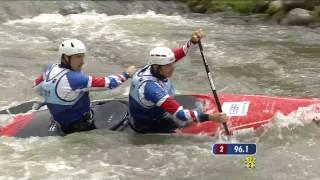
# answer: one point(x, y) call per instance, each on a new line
point(48, 67)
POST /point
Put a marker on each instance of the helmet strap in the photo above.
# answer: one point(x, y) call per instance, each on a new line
point(155, 71)
point(64, 63)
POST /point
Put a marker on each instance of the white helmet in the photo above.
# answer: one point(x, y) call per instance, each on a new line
point(71, 47)
point(161, 56)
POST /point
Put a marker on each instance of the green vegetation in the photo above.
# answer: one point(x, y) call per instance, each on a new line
point(241, 6)
point(316, 13)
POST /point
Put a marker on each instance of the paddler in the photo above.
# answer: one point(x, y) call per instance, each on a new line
point(151, 103)
point(65, 87)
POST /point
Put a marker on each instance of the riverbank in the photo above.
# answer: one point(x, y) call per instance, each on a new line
point(284, 12)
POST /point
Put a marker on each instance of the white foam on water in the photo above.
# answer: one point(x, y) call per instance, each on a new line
point(300, 117)
point(42, 18)
point(5, 119)
point(91, 16)
point(96, 26)
point(57, 166)
point(21, 39)
point(22, 145)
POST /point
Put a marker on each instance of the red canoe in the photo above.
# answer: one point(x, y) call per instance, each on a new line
point(249, 112)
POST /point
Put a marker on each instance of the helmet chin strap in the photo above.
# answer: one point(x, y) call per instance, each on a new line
point(155, 71)
point(65, 64)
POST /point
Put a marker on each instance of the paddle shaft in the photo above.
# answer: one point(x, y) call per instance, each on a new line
point(213, 88)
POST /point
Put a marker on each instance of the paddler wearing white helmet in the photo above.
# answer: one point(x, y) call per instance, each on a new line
point(65, 88)
point(151, 103)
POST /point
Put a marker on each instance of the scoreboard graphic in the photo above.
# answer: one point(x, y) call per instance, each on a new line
point(234, 149)
point(245, 149)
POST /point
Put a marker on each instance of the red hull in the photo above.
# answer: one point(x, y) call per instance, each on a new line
point(260, 112)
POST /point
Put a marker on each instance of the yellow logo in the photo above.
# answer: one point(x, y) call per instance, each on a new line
point(250, 162)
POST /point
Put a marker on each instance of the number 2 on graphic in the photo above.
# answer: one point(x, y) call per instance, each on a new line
point(221, 149)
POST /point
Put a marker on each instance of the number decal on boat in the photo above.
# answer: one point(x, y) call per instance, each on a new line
point(236, 108)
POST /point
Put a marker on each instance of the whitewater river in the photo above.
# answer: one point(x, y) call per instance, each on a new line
point(247, 57)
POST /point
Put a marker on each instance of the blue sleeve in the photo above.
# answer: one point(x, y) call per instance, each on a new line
point(77, 80)
point(153, 92)
point(113, 83)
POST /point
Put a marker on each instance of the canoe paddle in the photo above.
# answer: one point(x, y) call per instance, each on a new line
point(213, 88)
